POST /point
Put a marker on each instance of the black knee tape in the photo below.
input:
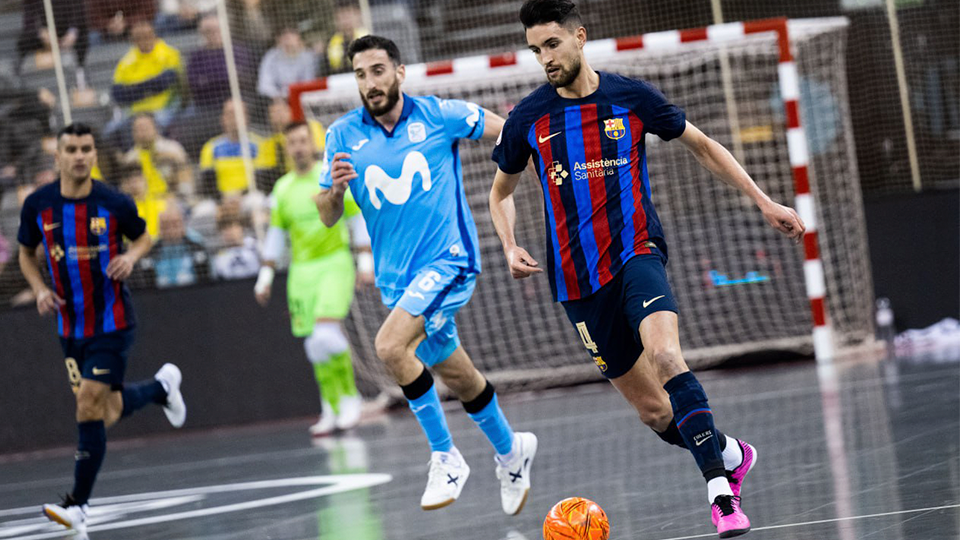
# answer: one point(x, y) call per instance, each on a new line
point(480, 402)
point(420, 386)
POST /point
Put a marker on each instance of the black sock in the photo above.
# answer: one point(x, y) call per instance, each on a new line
point(671, 435)
point(91, 448)
point(138, 395)
point(695, 423)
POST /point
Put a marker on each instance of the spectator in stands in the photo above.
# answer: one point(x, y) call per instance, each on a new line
point(222, 170)
point(110, 20)
point(178, 15)
point(133, 182)
point(210, 86)
point(148, 79)
point(177, 259)
point(238, 257)
point(272, 158)
point(349, 26)
point(288, 62)
point(72, 33)
point(24, 118)
point(162, 161)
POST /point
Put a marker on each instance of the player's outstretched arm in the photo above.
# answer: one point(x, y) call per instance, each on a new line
point(492, 124)
point(47, 300)
point(270, 252)
point(504, 214)
point(718, 160)
point(330, 201)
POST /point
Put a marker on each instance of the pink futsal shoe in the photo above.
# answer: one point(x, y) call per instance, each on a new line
point(728, 517)
point(737, 475)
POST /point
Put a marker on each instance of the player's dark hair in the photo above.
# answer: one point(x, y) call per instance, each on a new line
point(296, 124)
point(77, 128)
point(367, 43)
point(537, 12)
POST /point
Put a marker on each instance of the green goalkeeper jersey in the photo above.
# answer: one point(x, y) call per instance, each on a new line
point(293, 210)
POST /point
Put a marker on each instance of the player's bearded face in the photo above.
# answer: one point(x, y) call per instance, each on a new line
point(563, 73)
point(379, 101)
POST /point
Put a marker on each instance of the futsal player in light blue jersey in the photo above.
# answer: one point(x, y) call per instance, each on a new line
point(399, 156)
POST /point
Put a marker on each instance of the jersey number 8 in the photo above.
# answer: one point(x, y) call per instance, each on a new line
point(73, 372)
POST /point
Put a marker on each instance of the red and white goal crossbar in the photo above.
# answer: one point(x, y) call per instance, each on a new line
point(476, 66)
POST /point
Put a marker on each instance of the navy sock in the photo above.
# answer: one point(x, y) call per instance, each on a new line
point(695, 423)
point(671, 435)
point(138, 395)
point(91, 448)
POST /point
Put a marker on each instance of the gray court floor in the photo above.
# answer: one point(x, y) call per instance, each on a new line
point(868, 450)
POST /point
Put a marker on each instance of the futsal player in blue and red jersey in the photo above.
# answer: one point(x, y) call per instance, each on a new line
point(584, 131)
point(81, 224)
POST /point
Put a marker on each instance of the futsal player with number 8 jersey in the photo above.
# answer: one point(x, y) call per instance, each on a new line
point(398, 155)
point(81, 224)
point(606, 251)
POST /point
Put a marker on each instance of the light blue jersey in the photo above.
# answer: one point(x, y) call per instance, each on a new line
point(410, 186)
point(410, 190)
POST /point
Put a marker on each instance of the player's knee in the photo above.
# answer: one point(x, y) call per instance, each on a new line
point(326, 340)
point(667, 360)
point(90, 405)
point(389, 350)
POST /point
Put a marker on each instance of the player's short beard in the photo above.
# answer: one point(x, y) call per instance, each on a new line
point(393, 96)
point(567, 76)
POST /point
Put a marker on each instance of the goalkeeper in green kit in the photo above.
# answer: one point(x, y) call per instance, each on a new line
point(321, 278)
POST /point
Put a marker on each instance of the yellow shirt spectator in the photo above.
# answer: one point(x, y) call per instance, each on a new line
point(147, 81)
point(222, 160)
point(273, 149)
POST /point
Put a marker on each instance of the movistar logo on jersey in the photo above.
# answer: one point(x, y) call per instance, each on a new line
point(397, 190)
point(598, 168)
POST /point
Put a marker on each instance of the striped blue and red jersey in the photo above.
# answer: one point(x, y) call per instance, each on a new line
point(591, 160)
point(80, 238)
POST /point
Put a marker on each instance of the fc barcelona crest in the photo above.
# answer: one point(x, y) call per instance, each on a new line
point(614, 128)
point(98, 225)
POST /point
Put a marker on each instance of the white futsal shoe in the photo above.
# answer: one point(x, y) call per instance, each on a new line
point(327, 423)
point(448, 473)
point(515, 475)
point(351, 407)
point(73, 517)
point(176, 410)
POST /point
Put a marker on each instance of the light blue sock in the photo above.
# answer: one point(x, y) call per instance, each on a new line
point(494, 425)
point(429, 413)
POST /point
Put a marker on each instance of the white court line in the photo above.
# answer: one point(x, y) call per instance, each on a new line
point(819, 521)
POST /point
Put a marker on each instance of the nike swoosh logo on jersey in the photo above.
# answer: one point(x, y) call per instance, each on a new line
point(543, 139)
point(50, 226)
point(359, 145)
point(652, 300)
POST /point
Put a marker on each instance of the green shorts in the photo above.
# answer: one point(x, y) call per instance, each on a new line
point(320, 289)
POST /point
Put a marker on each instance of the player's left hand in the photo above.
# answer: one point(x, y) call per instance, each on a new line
point(120, 267)
point(784, 219)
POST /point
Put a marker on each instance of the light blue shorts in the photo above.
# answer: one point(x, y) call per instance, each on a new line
point(437, 292)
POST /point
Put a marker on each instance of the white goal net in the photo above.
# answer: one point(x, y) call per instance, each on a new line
point(740, 285)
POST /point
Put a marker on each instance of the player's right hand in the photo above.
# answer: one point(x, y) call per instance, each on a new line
point(262, 296)
point(48, 302)
point(521, 264)
point(342, 172)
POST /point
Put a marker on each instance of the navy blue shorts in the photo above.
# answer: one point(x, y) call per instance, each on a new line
point(608, 321)
point(101, 358)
